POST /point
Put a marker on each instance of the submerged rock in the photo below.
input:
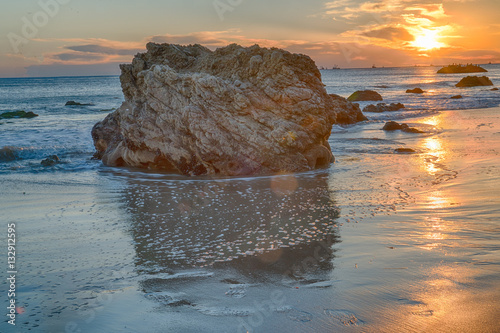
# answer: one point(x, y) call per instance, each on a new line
point(73, 103)
point(494, 89)
point(451, 69)
point(382, 107)
point(365, 95)
point(474, 81)
point(405, 151)
point(415, 91)
point(18, 114)
point(233, 111)
point(51, 161)
point(457, 97)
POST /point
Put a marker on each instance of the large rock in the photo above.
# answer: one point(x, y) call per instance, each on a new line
point(474, 81)
point(234, 111)
point(365, 95)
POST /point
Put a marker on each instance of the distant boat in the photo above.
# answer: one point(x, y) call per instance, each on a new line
point(374, 66)
point(335, 67)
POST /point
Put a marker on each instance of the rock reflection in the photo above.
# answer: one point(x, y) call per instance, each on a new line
point(283, 224)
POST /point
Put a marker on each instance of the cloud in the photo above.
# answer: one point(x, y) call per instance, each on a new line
point(77, 56)
point(100, 49)
point(391, 33)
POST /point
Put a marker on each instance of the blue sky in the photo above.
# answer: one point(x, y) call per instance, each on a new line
point(77, 37)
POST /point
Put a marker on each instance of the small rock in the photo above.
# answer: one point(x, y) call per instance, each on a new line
point(456, 97)
point(382, 107)
point(365, 95)
point(415, 91)
point(51, 161)
point(404, 151)
point(18, 114)
point(494, 89)
point(392, 126)
point(474, 81)
point(408, 129)
point(73, 103)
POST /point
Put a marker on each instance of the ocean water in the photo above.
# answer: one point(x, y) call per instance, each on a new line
point(378, 242)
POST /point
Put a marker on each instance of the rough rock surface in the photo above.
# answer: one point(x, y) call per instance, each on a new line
point(382, 107)
point(474, 81)
point(233, 111)
point(347, 112)
point(365, 95)
point(415, 91)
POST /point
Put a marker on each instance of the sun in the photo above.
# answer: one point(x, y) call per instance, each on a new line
point(427, 40)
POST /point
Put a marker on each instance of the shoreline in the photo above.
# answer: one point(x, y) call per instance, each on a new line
point(396, 242)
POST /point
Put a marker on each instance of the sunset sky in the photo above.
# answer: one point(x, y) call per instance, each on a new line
point(76, 37)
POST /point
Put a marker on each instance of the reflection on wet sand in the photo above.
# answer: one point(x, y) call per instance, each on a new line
point(267, 224)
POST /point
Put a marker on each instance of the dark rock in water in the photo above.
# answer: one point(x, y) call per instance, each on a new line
point(474, 81)
point(349, 113)
point(18, 114)
point(415, 91)
point(233, 111)
point(408, 129)
point(51, 161)
point(494, 89)
point(394, 126)
point(73, 103)
point(452, 69)
point(456, 97)
point(382, 107)
point(365, 95)
point(8, 154)
point(382, 86)
point(405, 151)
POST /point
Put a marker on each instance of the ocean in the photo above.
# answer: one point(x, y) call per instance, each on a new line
point(379, 241)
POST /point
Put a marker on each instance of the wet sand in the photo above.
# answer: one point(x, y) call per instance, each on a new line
point(380, 241)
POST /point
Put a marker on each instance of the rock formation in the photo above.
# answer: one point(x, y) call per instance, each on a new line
point(233, 111)
point(452, 69)
point(457, 97)
point(415, 91)
point(474, 81)
point(382, 107)
point(365, 95)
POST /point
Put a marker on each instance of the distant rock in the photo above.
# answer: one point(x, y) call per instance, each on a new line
point(382, 107)
point(405, 151)
point(18, 114)
point(494, 89)
point(394, 126)
point(457, 97)
point(51, 161)
point(474, 81)
point(233, 111)
point(452, 69)
point(73, 103)
point(365, 95)
point(415, 91)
